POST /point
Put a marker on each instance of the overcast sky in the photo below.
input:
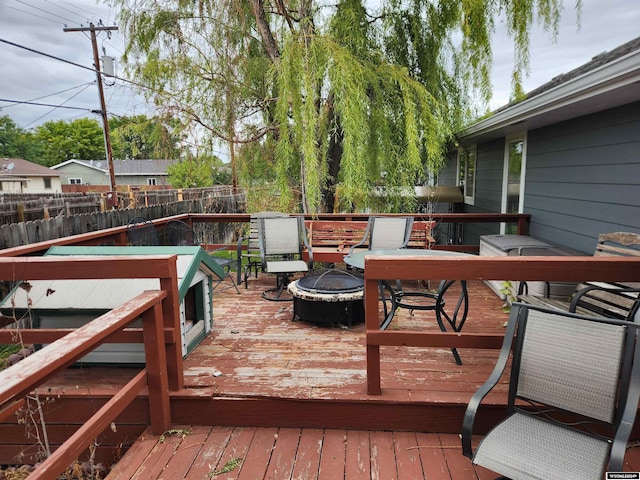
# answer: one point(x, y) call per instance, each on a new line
point(38, 25)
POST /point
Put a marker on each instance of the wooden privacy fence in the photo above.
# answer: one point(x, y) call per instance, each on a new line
point(20, 207)
point(471, 267)
point(24, 233)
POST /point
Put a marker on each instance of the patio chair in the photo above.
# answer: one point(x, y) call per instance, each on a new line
point(142, 232)
point(573, 397)
point(386, 233)
point(248, 252)
point(281, 242)
point(180, 233)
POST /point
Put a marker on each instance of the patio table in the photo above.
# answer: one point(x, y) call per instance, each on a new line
point(400, 298)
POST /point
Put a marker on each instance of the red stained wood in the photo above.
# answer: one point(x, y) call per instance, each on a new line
point(188, 449)
point(357, 459)
point(333, 455)
point(236, 449)
point(260, 452)
point(209, 455)
point(307, 464)
point(80, 440)
point(283, 454)
point(383, 459)
point(407, 456)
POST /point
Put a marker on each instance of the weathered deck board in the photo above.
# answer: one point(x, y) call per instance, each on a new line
point(305, 454)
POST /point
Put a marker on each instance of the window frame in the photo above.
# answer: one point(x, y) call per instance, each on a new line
point(75, 181)
point(511, 139)
point(464, 156)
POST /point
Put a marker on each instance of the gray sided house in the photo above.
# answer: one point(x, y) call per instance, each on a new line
point(127, 172)
point(568, 154)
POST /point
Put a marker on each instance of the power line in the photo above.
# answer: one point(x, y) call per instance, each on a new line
point(20, 102)
point(33, 14)
point(2, 40)
point(43, 10)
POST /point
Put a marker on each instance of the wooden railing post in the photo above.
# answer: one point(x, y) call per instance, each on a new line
point(171, 316)
point(372, 323)
point(157, 382)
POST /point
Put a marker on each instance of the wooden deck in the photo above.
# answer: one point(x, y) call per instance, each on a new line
point(292, 453)
point(288, 399)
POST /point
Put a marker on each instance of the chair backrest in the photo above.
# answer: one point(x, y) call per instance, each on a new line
point(142, 232)
point(389, 232)
point(253, 238)
point(579, 364)
point(181, 234)
point(281, 235)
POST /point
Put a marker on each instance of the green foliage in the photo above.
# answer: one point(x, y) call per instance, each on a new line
point(143, 138)
point(60, 141)
point(337, 106)
point(14, 141)
point(198, 172)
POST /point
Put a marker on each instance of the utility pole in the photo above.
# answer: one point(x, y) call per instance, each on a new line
point(103, 106)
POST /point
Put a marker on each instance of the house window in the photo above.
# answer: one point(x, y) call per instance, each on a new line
point(467, 173)
point(513, 179)
point(151, 181)
point(47, 183)
point(75, 181)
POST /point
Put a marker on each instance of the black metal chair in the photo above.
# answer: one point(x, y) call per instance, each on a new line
point(573, 397)
point(180, 233)
point(142, 232)
point(281, 243)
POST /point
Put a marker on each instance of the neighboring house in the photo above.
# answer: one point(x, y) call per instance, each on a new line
point(568, 154)
point(127, 172)
point(21, 176)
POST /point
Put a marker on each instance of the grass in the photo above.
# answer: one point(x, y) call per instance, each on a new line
point(6, 351)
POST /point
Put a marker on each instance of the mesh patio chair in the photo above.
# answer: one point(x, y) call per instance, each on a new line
point(142, 232)
point(180, 233)
point(573, 397)
point(281, 242)
point(386, 233)
point(248, 252)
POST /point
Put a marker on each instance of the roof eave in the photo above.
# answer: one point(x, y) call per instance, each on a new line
point(617, 74)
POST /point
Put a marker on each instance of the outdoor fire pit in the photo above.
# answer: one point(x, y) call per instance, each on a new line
point(328, 296)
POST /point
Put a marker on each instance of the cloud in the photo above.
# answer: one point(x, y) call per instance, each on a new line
point(38, 24)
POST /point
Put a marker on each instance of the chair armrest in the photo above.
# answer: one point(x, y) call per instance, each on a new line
point(363, 241)
point(619, 444)
point(612, 289)
point(476, 399)
point(305, 240)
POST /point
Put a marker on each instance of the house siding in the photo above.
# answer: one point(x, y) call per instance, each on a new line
point(583, 176)
point(88, 175)
point(488, 192)
point(582, 179)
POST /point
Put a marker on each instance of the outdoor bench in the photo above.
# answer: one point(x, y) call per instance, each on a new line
point(611, 299)
point(330, 240)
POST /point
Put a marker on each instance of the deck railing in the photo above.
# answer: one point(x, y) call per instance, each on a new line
point(118, 235)
point(562, 269)
point(160, 334)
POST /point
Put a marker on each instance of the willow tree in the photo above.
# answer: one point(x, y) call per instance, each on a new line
point(332, 103)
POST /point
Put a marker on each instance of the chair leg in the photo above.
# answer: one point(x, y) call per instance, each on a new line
point(282, 280)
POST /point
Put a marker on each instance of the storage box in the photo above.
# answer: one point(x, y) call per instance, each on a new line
point(522, 245)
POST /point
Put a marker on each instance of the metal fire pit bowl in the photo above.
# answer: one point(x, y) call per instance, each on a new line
point(328, 296)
